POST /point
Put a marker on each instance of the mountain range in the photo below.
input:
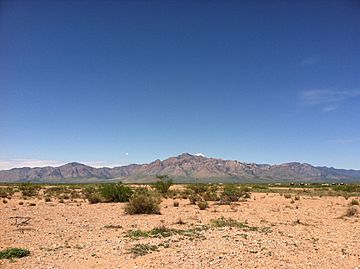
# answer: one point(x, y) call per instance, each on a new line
point(183, 168)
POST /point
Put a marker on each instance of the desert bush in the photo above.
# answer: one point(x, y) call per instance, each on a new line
point(287, 195)
point(176, 203)
point(92, 195)
point(210, 196)
point(6, 192)
point(232, 193)
point(163, 184)
point(115, 192)
point(351, 211)
point(198, 188)
point(143, 201)
point(47, 199)
point(11, 253)
point(193, 198)
point(297, 198)
point(354, 202)
point(347, 188)
point(29, 189)
point(203, 205)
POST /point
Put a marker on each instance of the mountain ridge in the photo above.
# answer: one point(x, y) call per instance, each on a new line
point(183, 168)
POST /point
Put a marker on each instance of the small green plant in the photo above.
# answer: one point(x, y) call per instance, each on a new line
point(354, 202)
point(163, 184)
point(203, 205)
point(143, 249)
point(143, 201)
point(115, 192)
point(229, 222)
point(11, 253)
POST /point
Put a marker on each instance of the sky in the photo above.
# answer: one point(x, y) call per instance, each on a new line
point(110, 83)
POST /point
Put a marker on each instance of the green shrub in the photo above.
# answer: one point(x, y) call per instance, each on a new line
point(115, 192)
point(198, 187)
point(232, 193)
point(143, 249)
point(354, 202)
point(11, 253)
point(29, 189)
point(203, 205)
point(143, 202)
point(210, 196)
point(92, 195)
point(194, 198)
point(163, 184)
point(6, 192)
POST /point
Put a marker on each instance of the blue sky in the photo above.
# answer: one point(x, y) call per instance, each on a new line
point(118, 82)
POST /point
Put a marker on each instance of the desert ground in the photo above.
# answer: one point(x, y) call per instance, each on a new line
point(267, 230)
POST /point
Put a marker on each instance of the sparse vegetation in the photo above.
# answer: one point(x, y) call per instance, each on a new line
point(229, 222)
point(29, 189)
point(143, 249)
point(354, 202)
point(233, 193)
point(351, 211)
point(176, 203)
point(92, 195)
point(203, 205)
point(143, 201)
point(11, 253)
point(163, 184)
point(6, 192)
point(115, 192)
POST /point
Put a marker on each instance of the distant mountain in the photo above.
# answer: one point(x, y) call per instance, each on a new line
point(183, 168)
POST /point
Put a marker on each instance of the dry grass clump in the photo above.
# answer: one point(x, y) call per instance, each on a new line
point(354, 202)
point(351, 211)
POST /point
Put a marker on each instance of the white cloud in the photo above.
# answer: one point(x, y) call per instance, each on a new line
point(328, 100)
point(18, 163)
point(127, 154)
point(99, 164)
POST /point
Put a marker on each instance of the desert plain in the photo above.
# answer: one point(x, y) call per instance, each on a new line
point(267, 230)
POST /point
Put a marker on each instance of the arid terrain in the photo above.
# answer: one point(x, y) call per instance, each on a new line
point(268, 230)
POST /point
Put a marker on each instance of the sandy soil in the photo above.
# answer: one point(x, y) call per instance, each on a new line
point(304, 234)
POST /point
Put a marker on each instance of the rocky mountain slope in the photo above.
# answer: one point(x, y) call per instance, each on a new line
point(185, 167)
